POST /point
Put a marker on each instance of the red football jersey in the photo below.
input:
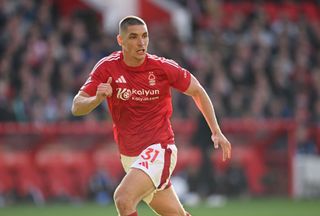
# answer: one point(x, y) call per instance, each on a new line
point(140, 104)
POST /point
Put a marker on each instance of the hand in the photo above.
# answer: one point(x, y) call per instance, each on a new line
point(104, 90)
point(220, 139)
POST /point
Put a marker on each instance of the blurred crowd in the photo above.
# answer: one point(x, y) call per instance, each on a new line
point(45, 58)
point(251, 66)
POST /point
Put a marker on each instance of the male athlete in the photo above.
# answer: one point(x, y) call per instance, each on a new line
point(137, 88)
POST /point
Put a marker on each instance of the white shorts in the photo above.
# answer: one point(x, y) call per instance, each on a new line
point(157, 162)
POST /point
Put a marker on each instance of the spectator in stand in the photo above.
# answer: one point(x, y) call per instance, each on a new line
point(204, 178)
point(305, 143)
point(101, 187)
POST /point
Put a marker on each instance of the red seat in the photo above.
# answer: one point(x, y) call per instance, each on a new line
point(5, 182)
point(17, 172)
point(187, 157)
point(66, 173)
point(251, 162)
point(310, 10)
point(109, 160)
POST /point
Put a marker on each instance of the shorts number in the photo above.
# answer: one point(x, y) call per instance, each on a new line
point(150, 153)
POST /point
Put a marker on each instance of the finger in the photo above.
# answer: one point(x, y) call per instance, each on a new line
point(102, 92)
point(109, 80)
point(223, 155)
point(226, 152)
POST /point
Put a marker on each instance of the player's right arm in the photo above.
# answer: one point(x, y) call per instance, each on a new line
point(83, 103)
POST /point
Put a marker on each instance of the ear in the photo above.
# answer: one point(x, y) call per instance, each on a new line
point(119, 39)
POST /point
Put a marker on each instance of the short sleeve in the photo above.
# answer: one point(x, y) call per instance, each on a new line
point(179, 78)
point(98, 75)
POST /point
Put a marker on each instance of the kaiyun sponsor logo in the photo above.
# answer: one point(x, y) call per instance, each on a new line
point(125, 93)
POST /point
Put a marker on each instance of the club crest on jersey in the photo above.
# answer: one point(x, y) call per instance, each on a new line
point(152, 79)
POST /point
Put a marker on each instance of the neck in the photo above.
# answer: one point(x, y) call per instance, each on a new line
point(133, 62)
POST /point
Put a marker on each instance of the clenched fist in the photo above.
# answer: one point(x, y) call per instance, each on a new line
point(104, 90)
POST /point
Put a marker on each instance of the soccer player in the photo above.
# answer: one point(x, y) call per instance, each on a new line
point(137, 86)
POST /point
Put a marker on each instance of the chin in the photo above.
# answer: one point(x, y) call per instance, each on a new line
point(141, 57)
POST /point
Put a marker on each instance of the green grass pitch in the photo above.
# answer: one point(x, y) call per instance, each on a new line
point(250, 207)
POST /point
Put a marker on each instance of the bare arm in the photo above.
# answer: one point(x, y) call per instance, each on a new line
point(84, 104)
point(203, 102)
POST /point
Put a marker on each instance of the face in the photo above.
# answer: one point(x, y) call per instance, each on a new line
point(134, 42)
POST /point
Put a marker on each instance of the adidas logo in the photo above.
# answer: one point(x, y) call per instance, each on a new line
point(145, 164)
point(121, 79)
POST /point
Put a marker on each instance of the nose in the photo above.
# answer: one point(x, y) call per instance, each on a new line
point(141, 41)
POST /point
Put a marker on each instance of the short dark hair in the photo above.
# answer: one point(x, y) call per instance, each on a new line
point(128, 21)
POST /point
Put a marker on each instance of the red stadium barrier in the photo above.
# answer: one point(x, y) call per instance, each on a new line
point(61, 157)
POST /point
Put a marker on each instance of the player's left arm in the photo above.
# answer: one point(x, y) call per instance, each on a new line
point(203, 102)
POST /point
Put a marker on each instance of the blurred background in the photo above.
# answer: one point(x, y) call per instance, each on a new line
point(258, 60)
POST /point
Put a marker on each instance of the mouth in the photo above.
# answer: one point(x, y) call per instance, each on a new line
point(141, 51)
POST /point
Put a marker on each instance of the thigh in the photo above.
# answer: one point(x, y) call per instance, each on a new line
point(135, 185)
point(166, 203)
